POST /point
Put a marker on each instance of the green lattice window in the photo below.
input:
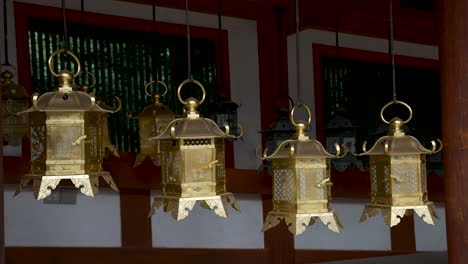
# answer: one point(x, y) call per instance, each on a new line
point(362, 88)
point(123, 62)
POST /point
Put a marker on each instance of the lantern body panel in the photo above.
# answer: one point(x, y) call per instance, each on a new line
point(301, 185)
point(295, 187)
point(64, 156)
point(190, 169)
point(151, 121)
point(398, 180)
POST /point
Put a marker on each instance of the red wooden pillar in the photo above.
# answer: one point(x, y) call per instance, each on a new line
point(2, 206)
point(454, 86)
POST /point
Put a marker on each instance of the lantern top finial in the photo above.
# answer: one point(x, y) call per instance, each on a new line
point(397, 142)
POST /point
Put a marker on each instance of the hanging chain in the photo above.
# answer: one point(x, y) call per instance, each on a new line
point(392, 52)
point(298, 56)
point(5, 32)
point(65, 31)
point(189, 62)
point(221, 73)
point(156, 42)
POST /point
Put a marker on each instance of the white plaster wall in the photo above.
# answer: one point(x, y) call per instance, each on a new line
point(91, 222)
point(431, 237)
point(243, 57)
point(312, 36)
point(204, 229)
point(370, 235)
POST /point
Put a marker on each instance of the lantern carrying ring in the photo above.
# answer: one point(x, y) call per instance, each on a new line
point(157, 82)
point(191, 81)
point(93, 83)
point(396, 102)
point(308, 113)
point(68, 52)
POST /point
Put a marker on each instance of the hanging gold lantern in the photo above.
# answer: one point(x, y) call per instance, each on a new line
point(105, 138)
point(398, 174)
point(151, 121)
point(193, 167)
point(301, 181)
point(14, 100)
point(65, 129)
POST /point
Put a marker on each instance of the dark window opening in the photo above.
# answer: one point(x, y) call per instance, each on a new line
point(363, 88)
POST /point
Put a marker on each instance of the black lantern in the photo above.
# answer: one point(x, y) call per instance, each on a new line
point(279, 131)
point(340, 130)
point(224, 112)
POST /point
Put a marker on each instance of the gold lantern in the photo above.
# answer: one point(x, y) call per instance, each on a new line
point(14, 100)
point(398, 174)
point(193, 167)
point(105, 138)
point(151, 121)
point(301, 181)
point(65, 131)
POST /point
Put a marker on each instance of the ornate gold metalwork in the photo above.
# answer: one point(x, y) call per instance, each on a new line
point(301, 181)
point(14, 99)
point(398, 174)
point(66, 138)
point(105, 140)
point(193, 167)
point(152, 120)
point(181, 207)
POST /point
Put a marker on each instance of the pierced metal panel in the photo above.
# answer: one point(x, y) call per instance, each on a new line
point(406, 178)
point(197, 142)
point(38, 142)
point(423, 174)
point(220, 156)
point(283, 185)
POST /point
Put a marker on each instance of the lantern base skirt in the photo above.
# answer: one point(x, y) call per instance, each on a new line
point(393, 214)
point(87, 183)
point(112, 149)
point(155, 158)
point(181, 207)
point(297, 223)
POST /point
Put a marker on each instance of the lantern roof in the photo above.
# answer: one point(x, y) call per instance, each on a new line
point(300, 145)
point(191, 128)
point(65, 99)
point(396, 142)
point(192, 125)
point(300, 148)
point(156, 107)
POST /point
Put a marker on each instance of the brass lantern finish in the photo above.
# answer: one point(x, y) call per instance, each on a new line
point(65, 131)
point(193, 167)
point(151, 121)
point(398, 174)
point(105, 137)
point(14, 99)
point(301, 181)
